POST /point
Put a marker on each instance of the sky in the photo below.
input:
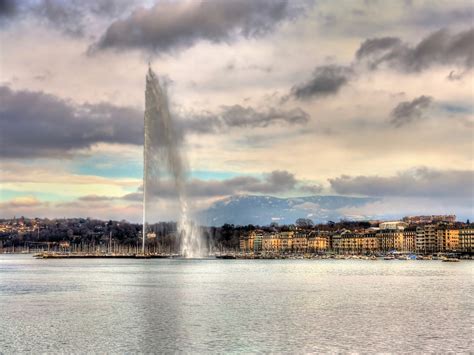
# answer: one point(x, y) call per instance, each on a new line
point(281, 98)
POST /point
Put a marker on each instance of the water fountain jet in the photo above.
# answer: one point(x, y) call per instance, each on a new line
point(162, 153)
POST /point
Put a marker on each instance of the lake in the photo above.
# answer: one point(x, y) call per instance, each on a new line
point(162, 305)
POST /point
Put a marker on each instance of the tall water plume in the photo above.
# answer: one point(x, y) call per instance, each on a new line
point(163, 158)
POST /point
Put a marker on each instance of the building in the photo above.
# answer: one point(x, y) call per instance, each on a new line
point(253, 242)
point(393, 225)
point(426, 239)
point(258, 240)
point(447, 238)
point(286, 241)
point(271, 242)
point(318, 242)
point(450, 218)
point(409, 239)
point(300, 242)
point(243, 243)
point(355, 243)
point(390, 240)
point(466, 239)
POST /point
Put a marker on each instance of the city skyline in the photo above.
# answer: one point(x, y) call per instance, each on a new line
point(274, 98)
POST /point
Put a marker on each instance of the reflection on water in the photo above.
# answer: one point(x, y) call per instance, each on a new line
point(234, 305)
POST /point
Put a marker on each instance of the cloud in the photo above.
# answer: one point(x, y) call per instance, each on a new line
point(133, 196)
point(8, 8)
point(163, 196)
point(420, 182)
point(37, 124)
point(237, 116)
point(398, 207)
point(24, 201)
point(311, 188)
point(62, 15)
point(275, 182)
point(95, 198)
point(326, 80)
point(173, 25)
point(438, 48)
point(409, 111)
point(72, 17)
point(376, 45)
point(58, 127)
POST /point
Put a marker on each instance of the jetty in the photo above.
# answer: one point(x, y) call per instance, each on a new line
point(54, 255)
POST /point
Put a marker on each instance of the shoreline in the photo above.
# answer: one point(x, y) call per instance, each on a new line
point(234, 256)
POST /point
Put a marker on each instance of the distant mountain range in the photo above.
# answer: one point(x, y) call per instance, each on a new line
point(263, 210)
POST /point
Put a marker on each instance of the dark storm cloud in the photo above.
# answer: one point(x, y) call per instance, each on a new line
point(375, 45)
point(421, 182)
point(439, 48)
point(36, 124)
point(63, 15)
point(8, 8)
point(71, 17)
point(409, 111)
point(326, 80)
point(240, 117)
point(168, 25)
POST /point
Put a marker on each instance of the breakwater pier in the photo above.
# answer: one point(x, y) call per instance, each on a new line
point(49, 255)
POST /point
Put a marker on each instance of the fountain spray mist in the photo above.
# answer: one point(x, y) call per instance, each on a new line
point(162, 156)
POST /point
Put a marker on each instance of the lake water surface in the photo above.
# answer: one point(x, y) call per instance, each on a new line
point(199, 306)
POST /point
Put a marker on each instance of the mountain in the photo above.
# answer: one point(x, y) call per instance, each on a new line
point(263, 210)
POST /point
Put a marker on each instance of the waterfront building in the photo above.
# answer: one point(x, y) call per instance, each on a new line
point(257, 242)
point(409, 239)
point(370, 242)
point(300, 242)
point(426, 239)
point(466, 239)
point(244, 243)
point(252, 242)
point(271, 242)
point(318, 242)
point(390, 240)
point(286, 240)
point(447, 238)
point(355, 243)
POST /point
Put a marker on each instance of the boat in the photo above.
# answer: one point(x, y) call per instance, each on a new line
point(403, 257)
point(226, 256)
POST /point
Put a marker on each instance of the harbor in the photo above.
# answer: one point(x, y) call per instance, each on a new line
point(445, 257)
